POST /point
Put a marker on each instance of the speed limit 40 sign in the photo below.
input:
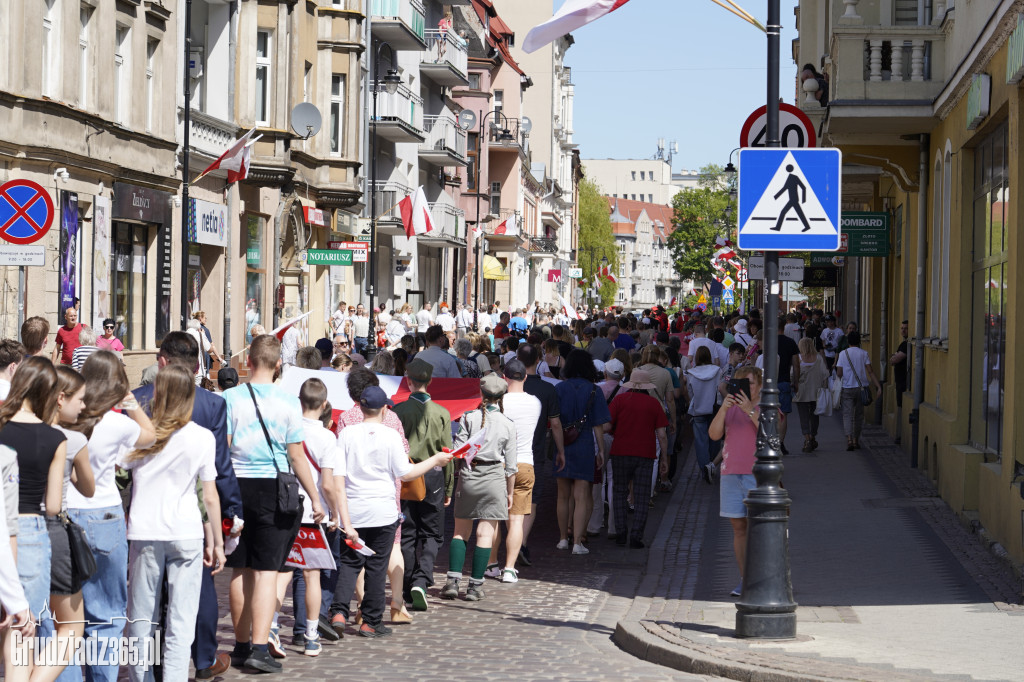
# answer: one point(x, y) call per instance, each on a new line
point(795, 128)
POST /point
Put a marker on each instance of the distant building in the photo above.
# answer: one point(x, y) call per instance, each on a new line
point(646, 274)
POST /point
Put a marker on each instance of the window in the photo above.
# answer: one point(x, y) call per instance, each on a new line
point(634, 175)
point(151, 48)
point(473, 145)
point(255, 274)
point(122, 73)
point(263, 77)
point(307, 82)
point(643, 174)
point(474, 81)
point(935, 248)
point(84, 68)
point(650, 198)
point(51, 48)
point(499, 103)
point(337, 113)
point(990, 281)
point(947, 191)
point(634, 197)
point(128, 277)
point(495, 198)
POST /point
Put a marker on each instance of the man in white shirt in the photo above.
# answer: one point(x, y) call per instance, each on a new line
point(793, 329)
point(830, 336)
point(394, 331)
point(360, 328)
point(445, 319)
point(495, 314)
point(424, 318)
point(463, 320)
point(289, 345)
point(853, 366)
point(699, 339)
point(338, 317)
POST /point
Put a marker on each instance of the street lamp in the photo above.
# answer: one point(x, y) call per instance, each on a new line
point(391, 81)
point(504, 136)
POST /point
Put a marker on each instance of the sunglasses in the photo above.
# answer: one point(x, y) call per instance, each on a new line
point(108, 326)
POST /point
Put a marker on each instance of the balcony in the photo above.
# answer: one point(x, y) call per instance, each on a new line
point(884, 79)
point(542, 247)
point(399, 115)
point(209, 135)
point(551, 218)
point(399, 22)
point(518, 142)
point(445, 60)
point(389, 216)
point(505, 242)
point(446, 142)
point(449, 226)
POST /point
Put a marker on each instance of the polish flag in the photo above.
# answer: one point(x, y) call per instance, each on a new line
point(573, 15)
point(509, 227)
point(472, 447)
point(606, 272)
point(415, 214)
point(235, 160)
point(279, 332)
point(567, 308)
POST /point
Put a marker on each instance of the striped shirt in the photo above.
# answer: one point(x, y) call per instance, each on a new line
point(80, 355)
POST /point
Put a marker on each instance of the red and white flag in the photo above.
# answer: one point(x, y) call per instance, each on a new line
point(416, 213)
point(573, 15)
point(606, 272)
point(471, 448)
point(310, 551)
point(508, 227)
point(279, 332)
point(567, 308)
point(235, 160)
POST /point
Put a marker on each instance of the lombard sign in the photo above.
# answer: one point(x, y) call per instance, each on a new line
point(208, 223)
point(1015, 53)
point(978, 100)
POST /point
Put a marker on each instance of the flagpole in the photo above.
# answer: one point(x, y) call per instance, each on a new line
point(186, 142)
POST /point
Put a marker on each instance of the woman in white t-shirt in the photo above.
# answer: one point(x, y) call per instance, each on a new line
point(110, 433)
point(853, 366)
point(166, 527)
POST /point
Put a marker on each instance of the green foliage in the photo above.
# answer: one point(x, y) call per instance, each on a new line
point(701, 216)
point(596, 240)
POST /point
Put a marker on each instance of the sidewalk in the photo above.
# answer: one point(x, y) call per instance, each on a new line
point(890, 586)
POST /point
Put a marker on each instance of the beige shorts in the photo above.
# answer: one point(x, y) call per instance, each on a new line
point(522, 491)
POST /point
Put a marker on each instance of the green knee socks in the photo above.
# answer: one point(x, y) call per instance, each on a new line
point(456, 555)
point(481, 555)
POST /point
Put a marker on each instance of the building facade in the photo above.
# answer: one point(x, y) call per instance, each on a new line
point(646, 273)
point(925, 104)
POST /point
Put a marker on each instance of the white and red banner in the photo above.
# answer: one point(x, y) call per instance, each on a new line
point(279, 332)
point(568, 309)
point(472, 447)
point(508, 227)
point(235, 160)
point(310, 551)
point(572, 15)
point(416, 214)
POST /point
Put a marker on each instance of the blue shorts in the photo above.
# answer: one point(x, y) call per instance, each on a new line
point(785, 397)
point(733, 489)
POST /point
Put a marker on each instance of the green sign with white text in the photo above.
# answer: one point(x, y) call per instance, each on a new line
point(865, 234)
point(328, 257)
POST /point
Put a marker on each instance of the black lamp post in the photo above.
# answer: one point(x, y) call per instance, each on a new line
point(504, 136)
point(391, 82)
point(766, 609)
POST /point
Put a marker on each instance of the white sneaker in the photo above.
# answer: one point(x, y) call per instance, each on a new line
point(493, 571)
point(510, 575)
point(562, 544)
point(580, 549)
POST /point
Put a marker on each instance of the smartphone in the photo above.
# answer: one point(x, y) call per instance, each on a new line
point(736, 386)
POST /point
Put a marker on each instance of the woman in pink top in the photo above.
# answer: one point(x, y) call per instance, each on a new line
point(737, 422)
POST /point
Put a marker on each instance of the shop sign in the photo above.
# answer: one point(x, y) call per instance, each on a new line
point(141, 204)
point(1015, 53)
point(978, 100)
point(328, 257)
point(865, 234)
point(360, 250)
point(576, 273)
point(207, 223)
point(403, 264)
point(314, 216)
point(821, 277)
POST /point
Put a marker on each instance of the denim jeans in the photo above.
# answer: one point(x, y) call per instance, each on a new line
point(105, 594)
point(34, 561)
point(701, 440)
point(181, 562)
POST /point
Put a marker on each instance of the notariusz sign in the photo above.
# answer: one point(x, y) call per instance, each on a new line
point(328, 257)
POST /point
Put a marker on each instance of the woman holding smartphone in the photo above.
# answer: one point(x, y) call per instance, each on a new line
point(737, 423)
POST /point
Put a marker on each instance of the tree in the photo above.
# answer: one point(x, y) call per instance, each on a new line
point(596, 240)
point(701, 215)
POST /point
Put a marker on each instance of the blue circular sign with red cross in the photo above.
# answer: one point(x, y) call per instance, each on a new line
point(26, 211)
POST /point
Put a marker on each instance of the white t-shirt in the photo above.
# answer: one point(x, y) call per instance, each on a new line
point(703, 341)
point(290, 345)
point(524, 411)
point(423, 320)
point(464, 319)
point(446, 321)
point(5, 388)
point(164, 501)
point(793, 331)
point(322, 447)
point(371, 457)
point(854, 362)
point(112, 438)
point(720, 354)
point(76, 443)
point(830, 338)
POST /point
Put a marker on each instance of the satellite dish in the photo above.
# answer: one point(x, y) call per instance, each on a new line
point(467, 120)
point(306, 120)
point(526, 124)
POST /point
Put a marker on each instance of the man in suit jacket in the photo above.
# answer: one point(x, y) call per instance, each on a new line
point(210, 412)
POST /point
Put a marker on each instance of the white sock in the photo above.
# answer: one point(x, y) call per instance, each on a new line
point(311, 629)
point(274, 626)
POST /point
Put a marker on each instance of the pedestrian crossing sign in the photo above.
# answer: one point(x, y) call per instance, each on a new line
point(728, 297)
point(789, 199)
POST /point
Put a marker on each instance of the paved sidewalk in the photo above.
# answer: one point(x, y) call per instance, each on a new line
point(890, 586)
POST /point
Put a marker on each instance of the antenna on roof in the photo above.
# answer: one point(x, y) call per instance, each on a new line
point(661, 148)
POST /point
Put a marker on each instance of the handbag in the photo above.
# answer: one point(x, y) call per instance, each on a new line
point(82, 558)
point(289, 501)
point(823, 404)
point(865, 393)
point(414, 490)
point(572, 432)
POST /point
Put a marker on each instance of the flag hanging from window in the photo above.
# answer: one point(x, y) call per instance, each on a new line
point(572, 15)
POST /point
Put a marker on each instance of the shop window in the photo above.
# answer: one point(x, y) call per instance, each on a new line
point(990, 282)
point(128, 276)
point(255, 274)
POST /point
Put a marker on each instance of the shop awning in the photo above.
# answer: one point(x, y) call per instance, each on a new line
point(494, 270)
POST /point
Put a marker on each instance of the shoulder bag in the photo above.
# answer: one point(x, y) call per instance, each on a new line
point(82, 558)
point(289, 501)
point(865, 393)
point(572, 431)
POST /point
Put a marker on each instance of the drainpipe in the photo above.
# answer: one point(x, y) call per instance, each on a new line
point(232, 191)
point(922, 245)
point(883, 346)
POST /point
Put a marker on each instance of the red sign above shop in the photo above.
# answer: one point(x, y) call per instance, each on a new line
point(314, 216)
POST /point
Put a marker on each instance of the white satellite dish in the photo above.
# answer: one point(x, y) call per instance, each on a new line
point(526, 124)
point(306, 120)
point(467, 119)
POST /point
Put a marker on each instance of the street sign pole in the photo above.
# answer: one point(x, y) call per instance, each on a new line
point(766, 608)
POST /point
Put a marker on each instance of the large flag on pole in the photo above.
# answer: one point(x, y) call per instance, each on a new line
point(568, 309)
point(573, 15)
point(279, 332)
point(509, 226)
point(416, 214)
point(235, 160)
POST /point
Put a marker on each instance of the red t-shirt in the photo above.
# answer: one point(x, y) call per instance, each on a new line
point(68, 341)
point(500, 330)
point(635, 416)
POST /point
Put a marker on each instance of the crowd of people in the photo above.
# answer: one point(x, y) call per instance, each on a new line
point(126, 503)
